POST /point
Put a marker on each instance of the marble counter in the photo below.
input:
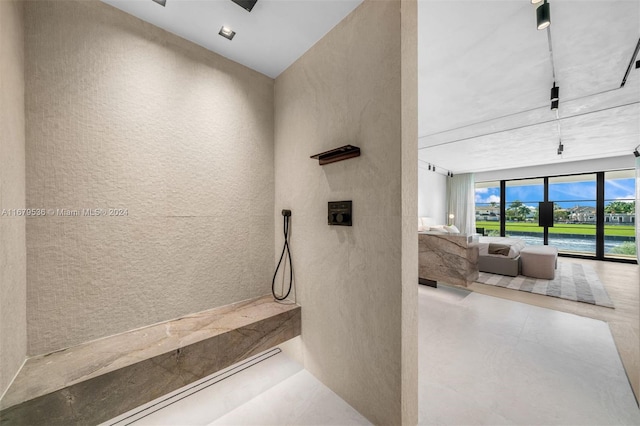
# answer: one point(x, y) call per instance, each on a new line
point(95, 381)
point(448, 258)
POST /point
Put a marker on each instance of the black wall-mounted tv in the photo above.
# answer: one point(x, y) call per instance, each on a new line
point(545, 213)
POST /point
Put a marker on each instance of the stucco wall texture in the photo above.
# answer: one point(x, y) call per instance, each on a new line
point(123, 115)
point(13, 262)
point(358, 295)
point(409, 195)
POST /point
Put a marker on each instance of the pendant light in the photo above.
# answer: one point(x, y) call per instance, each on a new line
point(543, 15)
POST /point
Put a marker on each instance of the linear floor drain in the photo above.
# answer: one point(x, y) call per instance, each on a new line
point(193, 388)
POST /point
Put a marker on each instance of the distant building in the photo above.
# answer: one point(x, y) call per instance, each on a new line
point(488, 213)
point(582, 214)
point(577, 214)
point(620, 218)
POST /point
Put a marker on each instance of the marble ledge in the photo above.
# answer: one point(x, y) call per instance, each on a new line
point(98, 380)
point(462, 240)
point(448, 258)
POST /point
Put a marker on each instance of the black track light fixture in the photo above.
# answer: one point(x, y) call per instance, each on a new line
point(555, 92)
point(543, 15)
point(560, 147)
point(555, 96)
point(636, 153)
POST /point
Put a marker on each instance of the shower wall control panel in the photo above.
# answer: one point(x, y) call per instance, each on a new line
point(340, 213)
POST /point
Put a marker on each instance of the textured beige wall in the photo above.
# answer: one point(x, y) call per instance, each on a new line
point(409, 178)
point(121, 114)
point(13, 263)
point(357, 290)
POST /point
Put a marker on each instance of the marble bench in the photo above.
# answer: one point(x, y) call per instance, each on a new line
point(96, 381)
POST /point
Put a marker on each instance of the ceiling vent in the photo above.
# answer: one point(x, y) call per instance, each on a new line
point(246, 4)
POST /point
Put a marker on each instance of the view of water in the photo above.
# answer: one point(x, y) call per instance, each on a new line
point(583, 245)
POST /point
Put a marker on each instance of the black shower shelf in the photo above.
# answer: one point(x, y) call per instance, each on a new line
point(337, 154)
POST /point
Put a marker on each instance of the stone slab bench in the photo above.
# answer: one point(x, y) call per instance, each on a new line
point(96, 381)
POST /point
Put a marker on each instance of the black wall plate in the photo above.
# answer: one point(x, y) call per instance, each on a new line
point(340, 213)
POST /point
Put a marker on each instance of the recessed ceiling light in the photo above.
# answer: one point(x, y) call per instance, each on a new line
point(535, 1)
point(161, 2)
point(226, 32)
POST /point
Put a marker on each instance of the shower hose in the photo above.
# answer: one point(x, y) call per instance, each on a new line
point(286, 215)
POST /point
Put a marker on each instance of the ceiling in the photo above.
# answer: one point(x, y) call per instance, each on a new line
point(268, 39)
point(485, 76)
point(484, 69)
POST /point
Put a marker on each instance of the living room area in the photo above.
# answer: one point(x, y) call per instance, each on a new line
point(532, 136)
point(569, 289)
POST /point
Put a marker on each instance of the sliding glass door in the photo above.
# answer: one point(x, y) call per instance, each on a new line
point(574, 214)
point(619, 214)
point(521, 209)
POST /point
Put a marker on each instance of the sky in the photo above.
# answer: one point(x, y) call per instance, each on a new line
point(569, 193)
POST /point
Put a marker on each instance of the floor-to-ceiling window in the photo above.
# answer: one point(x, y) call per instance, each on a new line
point(574, 214)
point(593, 213)
point(488, 208)
point(619, 214)
point(521, 209)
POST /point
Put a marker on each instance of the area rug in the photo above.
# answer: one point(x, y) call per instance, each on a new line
point(573, 281)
